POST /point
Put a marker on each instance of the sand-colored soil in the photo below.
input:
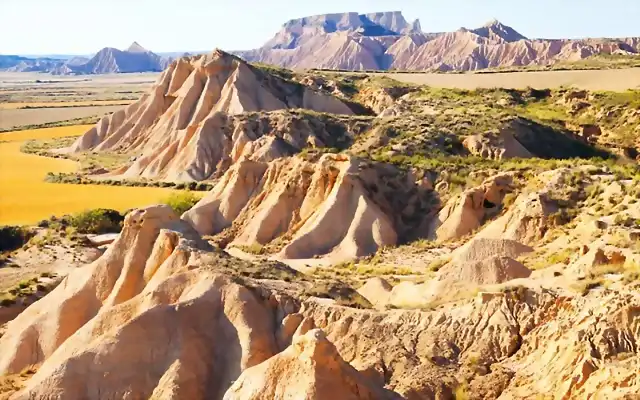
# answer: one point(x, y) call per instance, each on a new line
point(63, 104)
point(26, 198)
point(614, 80)
point(14, 118)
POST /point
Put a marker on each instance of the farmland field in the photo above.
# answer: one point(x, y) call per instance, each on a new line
point(611, 80)
point(63, 104)
point(29, 100)
point(25, 198)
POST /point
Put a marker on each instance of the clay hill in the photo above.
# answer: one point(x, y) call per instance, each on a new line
point(111, 61)
point(107, 61)
point(186, 127)
point(361, 239)
point(384, 41)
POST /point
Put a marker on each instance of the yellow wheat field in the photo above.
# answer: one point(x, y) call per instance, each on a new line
point(25, 198)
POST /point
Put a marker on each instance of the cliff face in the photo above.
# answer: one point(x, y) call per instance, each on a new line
point(387, 41)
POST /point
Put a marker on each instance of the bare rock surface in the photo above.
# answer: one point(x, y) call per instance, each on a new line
point(312, 368)
point(465, 213)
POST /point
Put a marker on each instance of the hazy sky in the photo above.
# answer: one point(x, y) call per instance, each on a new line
point(85, 26)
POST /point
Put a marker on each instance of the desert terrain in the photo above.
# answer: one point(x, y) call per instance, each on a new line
point(236, 230)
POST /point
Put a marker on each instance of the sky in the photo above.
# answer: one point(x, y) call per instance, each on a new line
point(85, 26)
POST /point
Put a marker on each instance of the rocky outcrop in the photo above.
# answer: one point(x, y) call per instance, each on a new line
point(526, 221)
point(497, 31)
point(185, 130)
point(298, 32)
point(595, 351)
point(496, 147)
point(335, 207)
point(465, 213)
point(162, 315)
point(395, 22)
point(491, 270)
point(312, 368)
point(479, 249)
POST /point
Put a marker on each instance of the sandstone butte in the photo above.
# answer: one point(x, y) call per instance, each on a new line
point(386, 41)
point(165, 313)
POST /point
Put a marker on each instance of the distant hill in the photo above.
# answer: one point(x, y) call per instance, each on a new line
point(382, 41)
point(107, 61)
point(11, 62)
point(110, 61)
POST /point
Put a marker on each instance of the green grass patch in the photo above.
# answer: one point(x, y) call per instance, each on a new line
point(181, 202)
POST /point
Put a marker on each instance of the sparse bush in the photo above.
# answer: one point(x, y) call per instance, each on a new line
point(435, 265)
point(508, 200)
point(561, 257)
point(254, 248)
point(7, 301)
point(461, 392)
point(632, 272)
point(341, 293)
point(13, 237)
point(584, 287)
point(181, 202)
point(98, 221)
point(24, 284)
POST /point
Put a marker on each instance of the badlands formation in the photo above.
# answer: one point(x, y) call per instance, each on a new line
point(393, 242)
point(386, 41)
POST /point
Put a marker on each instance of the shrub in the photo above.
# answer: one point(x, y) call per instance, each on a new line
point(584, 287)
point(436, 264)
point(13, 237)
point(254, 248)
point(98, 221)
point(561, 257)
point(181, 202)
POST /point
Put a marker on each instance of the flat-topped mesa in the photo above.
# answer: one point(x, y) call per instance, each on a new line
point(385, 41)
point(296, 32)
point(178, 129)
